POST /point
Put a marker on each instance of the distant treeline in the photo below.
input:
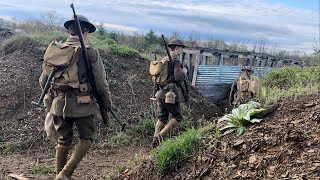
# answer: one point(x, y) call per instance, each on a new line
point(151, 43)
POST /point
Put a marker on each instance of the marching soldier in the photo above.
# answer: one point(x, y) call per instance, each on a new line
point(70, 97)
point(168, 96)
point(244, 88)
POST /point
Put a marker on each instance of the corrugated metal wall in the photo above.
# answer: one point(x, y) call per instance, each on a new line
point(215, 74)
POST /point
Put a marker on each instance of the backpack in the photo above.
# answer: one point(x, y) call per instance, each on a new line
point(159, 71)
point(249, 85)
point(63, 56)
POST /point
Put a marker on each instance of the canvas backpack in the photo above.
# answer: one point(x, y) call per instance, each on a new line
point(159, 71)
point(249, 85)
point(62, 56)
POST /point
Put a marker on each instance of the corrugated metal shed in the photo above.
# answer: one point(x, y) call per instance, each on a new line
point(215, 74)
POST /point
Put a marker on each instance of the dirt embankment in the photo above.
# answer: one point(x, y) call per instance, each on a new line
point(285, 145)
point(21, 124)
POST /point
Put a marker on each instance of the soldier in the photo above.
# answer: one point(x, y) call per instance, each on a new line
point(176, 74)
point(70, 97)
point(244, 88)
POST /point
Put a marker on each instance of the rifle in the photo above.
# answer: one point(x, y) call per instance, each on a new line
point(185, 90)
point(45, 89)
point(90, 75)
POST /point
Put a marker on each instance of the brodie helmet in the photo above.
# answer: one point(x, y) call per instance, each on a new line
point(84, 22)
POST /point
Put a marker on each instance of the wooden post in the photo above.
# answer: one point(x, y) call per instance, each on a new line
point(195, 70)
point(190, 66)
point(200, 55)
point(265, 62)
point(221, 60)
point(206, 60)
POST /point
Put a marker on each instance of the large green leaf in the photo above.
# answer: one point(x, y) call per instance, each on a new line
point(240, 117)
point(240, 130)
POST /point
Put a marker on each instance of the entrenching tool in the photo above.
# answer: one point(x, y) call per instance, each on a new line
point(45, 89)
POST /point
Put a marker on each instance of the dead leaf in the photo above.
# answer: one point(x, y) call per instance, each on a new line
point(252, 159)
point(285, 175)
point(311, 151)
point(272, 168)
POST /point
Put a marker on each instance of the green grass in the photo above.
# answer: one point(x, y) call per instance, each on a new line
point(144, 127)
point(171, 152)
point(42, 170)
point(120, 139)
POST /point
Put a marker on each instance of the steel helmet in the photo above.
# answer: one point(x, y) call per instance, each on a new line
point(248, 68)
point(176, 42)
point(84, 22)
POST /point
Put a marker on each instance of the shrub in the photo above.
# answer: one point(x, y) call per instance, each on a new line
point(122, 50)
point(291, 81)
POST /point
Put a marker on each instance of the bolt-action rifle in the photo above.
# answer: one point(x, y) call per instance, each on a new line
point(185, 90)
point(90, 75)
point(46, 88)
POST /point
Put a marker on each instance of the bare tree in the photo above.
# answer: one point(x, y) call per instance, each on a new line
point(193, 39)
point(175, 35)
point(52, 19)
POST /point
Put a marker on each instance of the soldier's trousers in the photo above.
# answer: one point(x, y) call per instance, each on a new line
point(64, 127)
point(164, 109)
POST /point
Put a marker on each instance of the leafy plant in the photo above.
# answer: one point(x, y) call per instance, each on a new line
point(240, 117)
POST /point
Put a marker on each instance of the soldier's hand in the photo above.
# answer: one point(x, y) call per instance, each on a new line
point(184, 69)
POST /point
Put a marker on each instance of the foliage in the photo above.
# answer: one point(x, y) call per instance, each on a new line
point(240, 117)
point(122, 50)
point(171, 152)
point(291, 81)
point(47, 38)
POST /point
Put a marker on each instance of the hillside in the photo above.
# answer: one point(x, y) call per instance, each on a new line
point(22, 139)
point(284, 146)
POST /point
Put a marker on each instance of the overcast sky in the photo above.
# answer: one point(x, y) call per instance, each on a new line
point(285, 24)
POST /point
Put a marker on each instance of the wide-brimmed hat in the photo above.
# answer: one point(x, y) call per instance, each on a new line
point(84, 22)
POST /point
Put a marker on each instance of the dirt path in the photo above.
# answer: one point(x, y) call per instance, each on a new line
point(95, 165)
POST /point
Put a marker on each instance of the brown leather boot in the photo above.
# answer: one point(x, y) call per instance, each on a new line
point(61, 157)
point(76, 156)
point(62, 176)
point(167, 129)
point(159, 126)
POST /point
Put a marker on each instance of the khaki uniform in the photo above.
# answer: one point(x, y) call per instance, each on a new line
point(240, 90)
point(175, 75)
point(64, 106)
